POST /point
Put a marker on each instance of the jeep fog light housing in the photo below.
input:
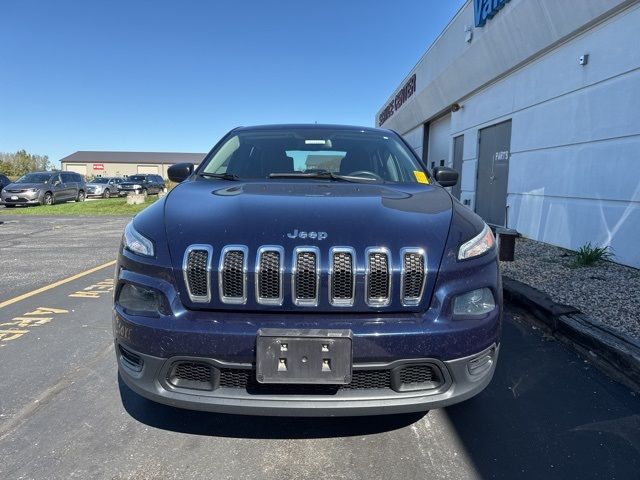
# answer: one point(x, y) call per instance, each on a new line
point(137, 299)
point(478, 245)
point(136, 242)
point(475, 302)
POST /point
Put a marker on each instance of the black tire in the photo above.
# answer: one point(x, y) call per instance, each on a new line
point(6, 205)
point(106, 193)
point(47, 199)
point(81, 196)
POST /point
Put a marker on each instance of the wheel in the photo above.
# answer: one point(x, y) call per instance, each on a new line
point(80, 197)
point(106, 193)
point(8, 206)
point(47, 199)
point(145, 193)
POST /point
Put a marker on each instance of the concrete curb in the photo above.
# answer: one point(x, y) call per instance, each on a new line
point(616, 353)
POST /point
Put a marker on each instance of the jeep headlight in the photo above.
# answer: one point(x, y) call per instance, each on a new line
point(478, 245)
point(138, 299)
point(475, 302)
point(136, 186)
point(137, 243)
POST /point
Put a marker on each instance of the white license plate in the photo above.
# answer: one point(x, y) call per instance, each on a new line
point(14, 197)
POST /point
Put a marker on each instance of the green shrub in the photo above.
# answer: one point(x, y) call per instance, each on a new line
point(588, 255)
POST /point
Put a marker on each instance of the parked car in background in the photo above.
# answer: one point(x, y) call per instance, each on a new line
point(44, 188)
point(104, 187)
point(146, 184)
point(4, 181)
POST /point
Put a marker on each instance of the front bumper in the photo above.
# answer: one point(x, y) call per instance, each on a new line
point(23, 198)
point(458, 384)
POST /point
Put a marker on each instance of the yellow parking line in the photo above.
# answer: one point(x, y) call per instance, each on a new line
point(56, 284)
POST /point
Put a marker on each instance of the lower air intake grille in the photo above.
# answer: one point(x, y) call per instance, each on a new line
point(416, 374)
point(233, 275)
point(197, 274)
point(413, 276)
point(269, 281)
point(360, 380)
point(194, 375)
point(378, 280)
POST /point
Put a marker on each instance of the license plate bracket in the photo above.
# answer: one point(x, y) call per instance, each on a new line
point(298, 356)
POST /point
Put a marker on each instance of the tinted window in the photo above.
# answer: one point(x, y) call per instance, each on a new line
point(374, 155)
point(100, 180)
point(137, 178)
point(34, 178)
point(77, 177)
point(67, 177)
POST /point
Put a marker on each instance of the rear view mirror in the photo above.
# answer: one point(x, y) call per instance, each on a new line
point(445, 176)
point(180, 172)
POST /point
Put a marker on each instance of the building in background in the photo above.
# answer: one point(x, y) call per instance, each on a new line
point(537, 104)
point(109, 164)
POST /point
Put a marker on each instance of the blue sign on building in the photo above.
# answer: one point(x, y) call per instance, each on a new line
point(486, 9)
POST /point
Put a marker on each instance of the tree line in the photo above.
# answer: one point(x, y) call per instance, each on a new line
point(18, 163)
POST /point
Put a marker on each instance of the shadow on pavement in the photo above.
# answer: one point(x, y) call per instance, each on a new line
point(549, 414)
point(244, 426)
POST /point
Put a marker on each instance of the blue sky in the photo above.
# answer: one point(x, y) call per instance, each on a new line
point(177, 75)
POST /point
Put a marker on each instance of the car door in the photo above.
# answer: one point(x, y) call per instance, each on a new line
point(69, 186)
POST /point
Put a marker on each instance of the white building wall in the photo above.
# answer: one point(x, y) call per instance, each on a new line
point(574, 174)
point(440, 141)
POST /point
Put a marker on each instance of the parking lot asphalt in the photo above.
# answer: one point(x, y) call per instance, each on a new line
point(35, 251)
point(65, 414)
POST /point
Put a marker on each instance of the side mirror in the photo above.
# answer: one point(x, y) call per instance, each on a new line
point(445, 176)
point(180, 172)
point(56, 183)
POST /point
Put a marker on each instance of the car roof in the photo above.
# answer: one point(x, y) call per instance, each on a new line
point(311, 126)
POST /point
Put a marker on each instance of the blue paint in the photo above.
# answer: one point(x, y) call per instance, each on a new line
point(486, 9)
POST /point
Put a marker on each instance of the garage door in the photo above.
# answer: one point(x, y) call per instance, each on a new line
point(153, 169)
point(80, 168)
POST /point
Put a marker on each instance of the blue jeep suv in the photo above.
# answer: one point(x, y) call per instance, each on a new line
point(308, 270)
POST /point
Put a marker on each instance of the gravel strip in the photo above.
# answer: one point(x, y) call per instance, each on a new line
point(606, 291)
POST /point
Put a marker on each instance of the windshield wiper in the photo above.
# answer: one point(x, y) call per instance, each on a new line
point(223, 176)
point(322, 175)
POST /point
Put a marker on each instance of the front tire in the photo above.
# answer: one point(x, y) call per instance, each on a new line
point(8, 206)
point(47, 199)
point(80, 197)
point(106, 193)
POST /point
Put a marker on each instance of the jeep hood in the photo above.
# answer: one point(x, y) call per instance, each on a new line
point(356, 215)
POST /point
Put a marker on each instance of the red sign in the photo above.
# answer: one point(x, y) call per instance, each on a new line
point(98, 166)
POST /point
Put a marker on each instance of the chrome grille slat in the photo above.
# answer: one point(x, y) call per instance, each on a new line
point(413, 276)
point(269, 269)
point(378, 277)
point(342, 276)
point(196, 269)
point(232, 274)
point(305, 276)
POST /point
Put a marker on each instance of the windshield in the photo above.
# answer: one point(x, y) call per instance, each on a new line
point(34, 178)
point(100, 180)
point(136, 178)
point(374, 156)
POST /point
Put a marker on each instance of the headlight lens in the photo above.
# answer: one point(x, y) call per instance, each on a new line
point(477, 245)
point(136, 242)
point(475, 302)
point(139, 299)
point(137, 186)
point(32, 190)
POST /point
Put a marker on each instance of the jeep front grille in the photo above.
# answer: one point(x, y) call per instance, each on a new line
point(413, 275)
point(342, 282)
point(197, 271)
point(305, 276)
point(342, 276)
point(378, 277)
point(269, 275)
point(232, 274)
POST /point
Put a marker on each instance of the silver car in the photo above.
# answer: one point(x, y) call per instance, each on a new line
point(104, 187)
point(44, 188)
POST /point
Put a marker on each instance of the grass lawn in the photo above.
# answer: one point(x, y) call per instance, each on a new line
point(111, 206)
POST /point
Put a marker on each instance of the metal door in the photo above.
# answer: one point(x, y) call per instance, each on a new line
point(493, 172)
point(458, 143)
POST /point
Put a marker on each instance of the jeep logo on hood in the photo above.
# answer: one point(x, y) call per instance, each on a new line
point(313, 235)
